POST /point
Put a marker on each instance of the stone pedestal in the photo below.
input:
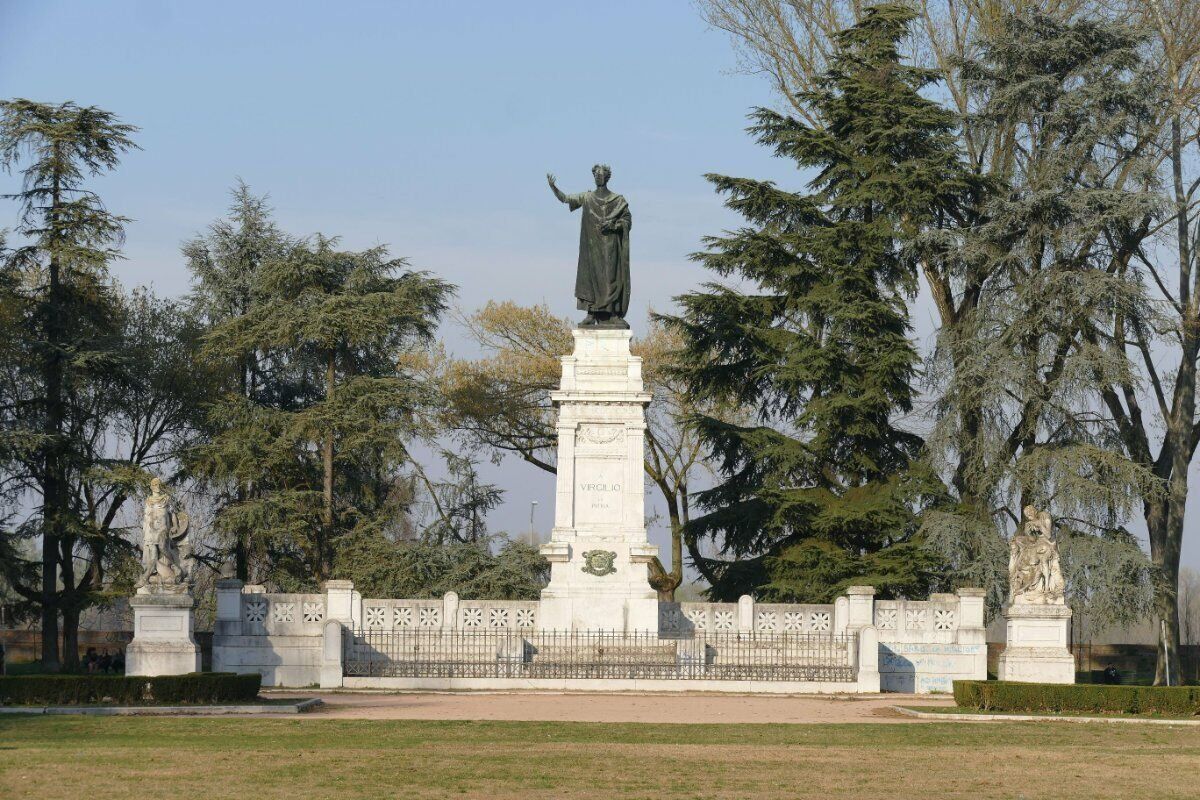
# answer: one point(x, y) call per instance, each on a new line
point(1036, 649)
point(598, 550)
point(163, 638)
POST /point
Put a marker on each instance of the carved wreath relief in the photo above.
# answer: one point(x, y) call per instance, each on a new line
point(599, 562)
point(600, 434)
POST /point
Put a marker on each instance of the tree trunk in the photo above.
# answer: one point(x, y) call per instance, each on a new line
point(1165, 522)
point(663, 581)
point(693, 547)
point(1164, 555)
point(241, 560)
point(54, 484)
point(325, 545)
point(241, 544)
point(69, 604)
point(70, 637)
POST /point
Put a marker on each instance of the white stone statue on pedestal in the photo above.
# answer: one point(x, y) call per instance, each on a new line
point(1034, 573)
point(166, 553)
point(164, 642)
point(1037, 617)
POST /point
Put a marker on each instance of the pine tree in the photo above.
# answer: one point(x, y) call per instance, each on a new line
point(225, 262)
point(380, 567)
point(1059, 300)
point(326, 455)
point(823, 492)
point(64, 310)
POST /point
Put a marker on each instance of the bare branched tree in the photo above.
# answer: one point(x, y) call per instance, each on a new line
point(1151, 409)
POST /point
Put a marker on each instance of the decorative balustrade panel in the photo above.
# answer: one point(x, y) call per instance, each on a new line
point(766, 618)
point(282, 614)
point(497, 614)
point(793, 618)
point(917, 620)
point(389, 615)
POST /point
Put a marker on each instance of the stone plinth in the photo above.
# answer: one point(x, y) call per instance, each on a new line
point(163, 638)
point(1036, 649)
point(598, 551)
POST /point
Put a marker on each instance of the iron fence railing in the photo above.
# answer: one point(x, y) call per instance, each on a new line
point(601, 654)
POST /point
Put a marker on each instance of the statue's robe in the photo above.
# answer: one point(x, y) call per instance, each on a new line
point(602, 277)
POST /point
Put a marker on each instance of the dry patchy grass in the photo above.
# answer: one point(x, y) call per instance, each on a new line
point(169, 758)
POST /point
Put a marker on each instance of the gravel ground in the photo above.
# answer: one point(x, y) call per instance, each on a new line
point(550, 707)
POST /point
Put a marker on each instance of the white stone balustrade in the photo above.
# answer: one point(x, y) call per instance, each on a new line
point(920, 645)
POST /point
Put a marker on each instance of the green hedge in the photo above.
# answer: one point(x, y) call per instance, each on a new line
point(124, 690)
point(1003, 696)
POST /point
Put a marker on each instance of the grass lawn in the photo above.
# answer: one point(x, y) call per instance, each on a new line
point(1090, 714)
point(149, 758)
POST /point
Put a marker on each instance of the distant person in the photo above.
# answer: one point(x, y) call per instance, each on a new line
point(91, 660)
point(118, 663)
point(1111, 675)
point(106, 661)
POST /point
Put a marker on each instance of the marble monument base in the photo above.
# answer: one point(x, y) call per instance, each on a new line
point(577, 600)
point(598, 551)
point(1036, 649)
point(164, 642)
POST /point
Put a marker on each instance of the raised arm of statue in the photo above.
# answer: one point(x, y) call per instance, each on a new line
point(562, 198)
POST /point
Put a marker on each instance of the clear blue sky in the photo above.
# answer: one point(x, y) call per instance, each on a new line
point(427, 126)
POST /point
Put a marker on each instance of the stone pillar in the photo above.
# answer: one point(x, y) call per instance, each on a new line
point(340, 602)
point(598, 550)
point(164, 641)
point(971, 629)
point(860, 608)
point(1036, 644)
point(229, 608)
point(745, 618)
point(868, 659)
point(970, 609)
point(332, 641)
point(841, 610)
point(228, 624)
point(449, 611)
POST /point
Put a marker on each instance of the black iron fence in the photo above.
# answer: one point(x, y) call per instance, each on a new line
point(601, 654)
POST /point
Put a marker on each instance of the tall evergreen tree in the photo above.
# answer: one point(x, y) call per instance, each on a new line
point(127, 423)
point(1019, 414)
point(64, 310)
point(823, 492)
point(327, 455)
point(225, 262)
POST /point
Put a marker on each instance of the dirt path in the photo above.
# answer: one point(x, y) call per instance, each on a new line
point(550, 707)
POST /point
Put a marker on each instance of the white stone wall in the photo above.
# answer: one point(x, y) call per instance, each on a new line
point(922, 645)
point(280, 636)
point(747, 616)
point(449, 613)
point(275, 635)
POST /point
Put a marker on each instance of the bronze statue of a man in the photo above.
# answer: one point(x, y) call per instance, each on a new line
point(602, 277)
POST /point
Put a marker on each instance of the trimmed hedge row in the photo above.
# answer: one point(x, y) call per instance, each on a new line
point(1086, 698)
point(124, 690)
